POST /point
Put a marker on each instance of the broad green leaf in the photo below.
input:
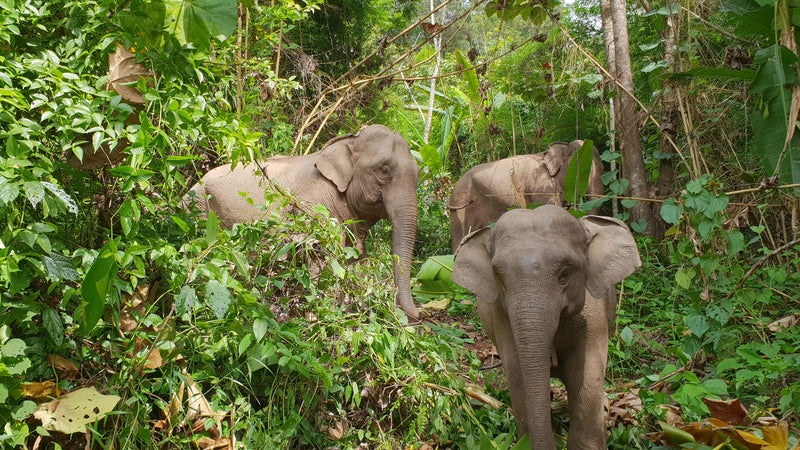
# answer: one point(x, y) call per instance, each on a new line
point(671, 212)
point(218, 298)
point(439, 267)
point(430, 157)
point(576, 180)
point(626, 335)
point(53, 325)
point(97, 283)
point(13, 348)
point(185, 300)
point(60, 268)
point(9, 191)
point(684, 277)
point(260, 328)
point(34, 191)
point(199, 21)
point(697, 324)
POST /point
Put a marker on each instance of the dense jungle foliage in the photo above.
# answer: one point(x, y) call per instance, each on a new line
point(155, 329)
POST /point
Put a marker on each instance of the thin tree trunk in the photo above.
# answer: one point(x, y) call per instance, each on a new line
point(670, 117)
point(627, 123)
point(437, 44)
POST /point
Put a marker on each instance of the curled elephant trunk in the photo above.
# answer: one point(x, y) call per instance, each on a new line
point(404, 232)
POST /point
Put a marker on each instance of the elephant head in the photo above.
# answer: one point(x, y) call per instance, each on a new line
point(557, 158)
point(544, 283)
point(377, 174)
point(359, 178)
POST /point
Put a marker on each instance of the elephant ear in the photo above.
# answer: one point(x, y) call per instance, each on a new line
point(335, 162)
point(612, 253)
point(472, 268)
point(558, 154)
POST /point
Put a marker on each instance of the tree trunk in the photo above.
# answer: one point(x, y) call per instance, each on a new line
point(627, 123)
point(437, 44)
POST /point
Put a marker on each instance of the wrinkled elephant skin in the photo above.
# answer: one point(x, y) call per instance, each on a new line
point(544, 283)
point(488, 190)
point(363, 177)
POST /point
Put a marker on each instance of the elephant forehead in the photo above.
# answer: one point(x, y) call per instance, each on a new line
point(547, 223)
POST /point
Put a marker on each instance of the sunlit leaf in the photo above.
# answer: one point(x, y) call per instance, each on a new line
point(218, 298)
point(71, 412)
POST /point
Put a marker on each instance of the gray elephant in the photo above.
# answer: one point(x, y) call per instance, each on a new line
point(363, 178)
point(488, 190)
point(544, 283)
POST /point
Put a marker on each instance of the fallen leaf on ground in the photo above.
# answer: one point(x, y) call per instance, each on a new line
point(479, 394)
point(437, 305)
point(71, 412)
point(66, 368)
point(729, 411)
point(41, 390)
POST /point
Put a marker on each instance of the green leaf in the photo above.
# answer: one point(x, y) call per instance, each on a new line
point(34, 191)
point(53, 325)
point(185, 300)
point(576, 180)
point(671, 212)
point(9, 191)
point(199, 21)
point(697, 324)
point(97, 283)
point(218, 298)
point(626, 335)
point(13, 348)
point(684, 277)
point(728, 364)
point(59, 267)
point(439, 267)
point(260, 327)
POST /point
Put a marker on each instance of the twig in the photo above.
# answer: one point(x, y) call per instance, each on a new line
point(760, 263)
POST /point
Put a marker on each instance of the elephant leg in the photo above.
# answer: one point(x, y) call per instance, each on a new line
point(582, 367)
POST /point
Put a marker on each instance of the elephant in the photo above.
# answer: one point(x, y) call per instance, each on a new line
point(545, 288)
point(360, 178)
point(488, 190)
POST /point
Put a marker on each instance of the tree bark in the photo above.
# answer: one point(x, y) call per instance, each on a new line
point(627, 122)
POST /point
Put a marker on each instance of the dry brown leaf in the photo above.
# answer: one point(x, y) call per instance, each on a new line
point(623, 409)
point(775, 432)
point(65, 368)
point(134, 303)
point(673, 416)
point(437, 305)
point(39, 390)
point(479, 394)
point(784, 323)
point(123, 74)
point(729, 411)
point(154, 360)
point(337, 431)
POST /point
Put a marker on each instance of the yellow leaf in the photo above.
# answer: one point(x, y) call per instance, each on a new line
point(437, 305)
point(39, 390)
point(71, 412)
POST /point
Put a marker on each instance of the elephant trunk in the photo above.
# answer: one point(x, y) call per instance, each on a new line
point(403, 216)
point(534, 321)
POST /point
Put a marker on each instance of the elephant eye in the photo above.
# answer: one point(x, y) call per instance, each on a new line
point(563, 275)
point(385, 169)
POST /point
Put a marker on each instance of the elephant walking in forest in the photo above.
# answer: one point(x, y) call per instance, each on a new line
point(544, 283)
point(488, 190)
point(361, 177)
